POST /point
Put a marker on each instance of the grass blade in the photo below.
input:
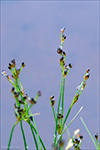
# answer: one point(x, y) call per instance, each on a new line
point(88, 132)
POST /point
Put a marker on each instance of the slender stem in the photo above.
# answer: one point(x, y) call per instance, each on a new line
point(54, 113)
point(12, 130)
point(73, 102)
point(89, 133)
point(68, 125)
point(66, 116)
point(98, 144)
point(58, 109)
point(23, 135)
point(62, 103)
point(36, 133)
point(20, 84)
point(33, 135)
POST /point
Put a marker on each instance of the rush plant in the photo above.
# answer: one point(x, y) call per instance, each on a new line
point(23, 104)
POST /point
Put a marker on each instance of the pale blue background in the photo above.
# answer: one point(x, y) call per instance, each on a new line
point(30, 32)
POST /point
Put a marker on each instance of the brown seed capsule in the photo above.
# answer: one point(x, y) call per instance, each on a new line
point(77, 141)
point(39, 93)
point(87, 70)
point(9, 67)
point(58, 126)
point(76, 98)
point(64, 53)
point(61, 143)
point(86, 76)
point(81, 137)
point(23, 64)
point(21, 102)
point(13, 89)
point(63, 29)
point(15, 106)
point(63, 37)
point(59, 51)
point(52, 102)
point(18, 71)
point(20, 111)
point(32, 101)
point(22, 92)
point(62, 61)
point(3, 73)
point(16, 94)
point(13, 62)
point(70, 65)
point(96, 136)
point(8, 77)
point(51, 97)
point(25, 96)
point(60, 116)
point(31, 118)
point(65, 67)
point(65, 73)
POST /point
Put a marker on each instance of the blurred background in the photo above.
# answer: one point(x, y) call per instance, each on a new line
point(30, 32)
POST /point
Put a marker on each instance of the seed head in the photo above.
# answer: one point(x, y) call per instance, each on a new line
point(32, 101)
point(87, 70)
point(3, 73)
point(60, 116)
point(13, 89)
point(39, 93)
point(96, 136)
point(63, 38)
point(70, 65)
point(59, 50)
point(62, 30)
point(64, 53)
point(23, 64)
point(52, 102)
point(61, 143)
point(31, 118)
point(51, 97)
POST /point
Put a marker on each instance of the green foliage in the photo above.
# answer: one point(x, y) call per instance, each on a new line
point(23, 105)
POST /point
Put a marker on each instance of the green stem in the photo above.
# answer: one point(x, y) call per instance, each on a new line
point(11, 135)
point(36, 131)
point(33, 135)
point(66, 116)
point(89, 133)
point(58, 109)
point(23, 135)
point(20, 84)
point(68, 125)
point(54, 113)
point(39, 136)
point(98, 144)
point(73, 102)
point(62, 103)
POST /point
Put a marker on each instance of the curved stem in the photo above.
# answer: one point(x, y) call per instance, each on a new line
point(11, 135)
